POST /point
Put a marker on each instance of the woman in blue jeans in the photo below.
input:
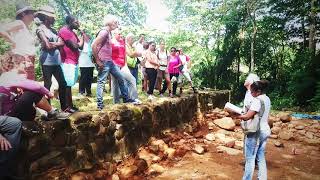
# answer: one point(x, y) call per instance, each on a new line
point(255, 143)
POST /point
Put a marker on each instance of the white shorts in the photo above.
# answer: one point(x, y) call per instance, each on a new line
point(184, 75)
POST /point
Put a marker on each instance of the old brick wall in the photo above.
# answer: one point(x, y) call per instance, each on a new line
point(88, 138)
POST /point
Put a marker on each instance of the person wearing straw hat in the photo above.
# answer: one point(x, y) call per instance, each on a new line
point(50, 57)
point(21, 39)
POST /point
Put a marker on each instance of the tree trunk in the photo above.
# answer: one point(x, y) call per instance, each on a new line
point(303, 33)
point(238, 65)
point(312, 28)
point(64, 7)
point(251, 10)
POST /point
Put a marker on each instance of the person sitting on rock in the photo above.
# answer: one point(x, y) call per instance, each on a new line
point(21, 94)
point(10, 134)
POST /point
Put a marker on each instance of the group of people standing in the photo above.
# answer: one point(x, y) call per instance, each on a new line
point(123, 59)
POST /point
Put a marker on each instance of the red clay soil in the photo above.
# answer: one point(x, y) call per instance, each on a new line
point(281, 164)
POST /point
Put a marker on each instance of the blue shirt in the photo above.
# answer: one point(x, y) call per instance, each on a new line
point(49, 57)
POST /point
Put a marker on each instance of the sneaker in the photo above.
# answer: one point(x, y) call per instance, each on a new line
point(161, 95)
point(57, 115)
point(136, 102)
point(130, 101)
point(71, 110)
point(75, 108)
point(171, 95)
point(150, 97)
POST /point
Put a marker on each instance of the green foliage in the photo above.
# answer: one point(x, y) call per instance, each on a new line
point(222, 47)
point(223, 39)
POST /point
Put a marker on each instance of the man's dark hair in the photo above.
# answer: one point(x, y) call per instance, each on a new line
point(69, 19)
point(174, 49)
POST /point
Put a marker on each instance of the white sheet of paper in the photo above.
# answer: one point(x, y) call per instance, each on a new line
point(233, 108)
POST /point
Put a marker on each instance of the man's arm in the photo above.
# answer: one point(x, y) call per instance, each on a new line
point(67, 36)
point(133, 53)
point(4, 144)
point(96, 46)
point(75, 45)
point(249, 115)
point(44, 41)
point(59, 43)
point(6, 29)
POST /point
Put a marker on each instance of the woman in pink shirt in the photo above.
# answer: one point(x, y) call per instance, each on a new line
point(173, 68)
point(120, 49)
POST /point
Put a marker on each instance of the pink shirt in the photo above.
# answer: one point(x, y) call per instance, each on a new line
point(105, 52)
point(119, 52)
point(25, 84)
point(68, 55)
point(173, 61)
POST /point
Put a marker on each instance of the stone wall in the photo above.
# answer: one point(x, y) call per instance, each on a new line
point(90, 138)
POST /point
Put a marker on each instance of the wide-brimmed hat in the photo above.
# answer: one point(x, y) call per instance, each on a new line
point(46, 10)
point(22, 7)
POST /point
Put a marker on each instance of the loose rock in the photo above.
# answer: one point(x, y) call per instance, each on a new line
point(273, 136)
point(278, 144)
point(225, 123)
point(198, 149)
point(210, 137)
point(238, 145)
point(300, 127)
point(229, 151)
point(284, 117)
point(128, 171)
point(285, 135)
point(156, 168)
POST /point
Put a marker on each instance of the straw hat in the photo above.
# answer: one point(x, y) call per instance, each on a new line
point(46, 10)
point(22, 7)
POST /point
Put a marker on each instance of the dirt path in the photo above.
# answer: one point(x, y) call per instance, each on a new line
point(211, 148)
point(280, 161)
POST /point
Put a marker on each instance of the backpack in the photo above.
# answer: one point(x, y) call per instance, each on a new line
point(162, 66)
point(132, 62)
point(253, 125)
point(104, 41)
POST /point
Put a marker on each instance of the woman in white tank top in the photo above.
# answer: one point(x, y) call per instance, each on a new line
point(21, 39)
